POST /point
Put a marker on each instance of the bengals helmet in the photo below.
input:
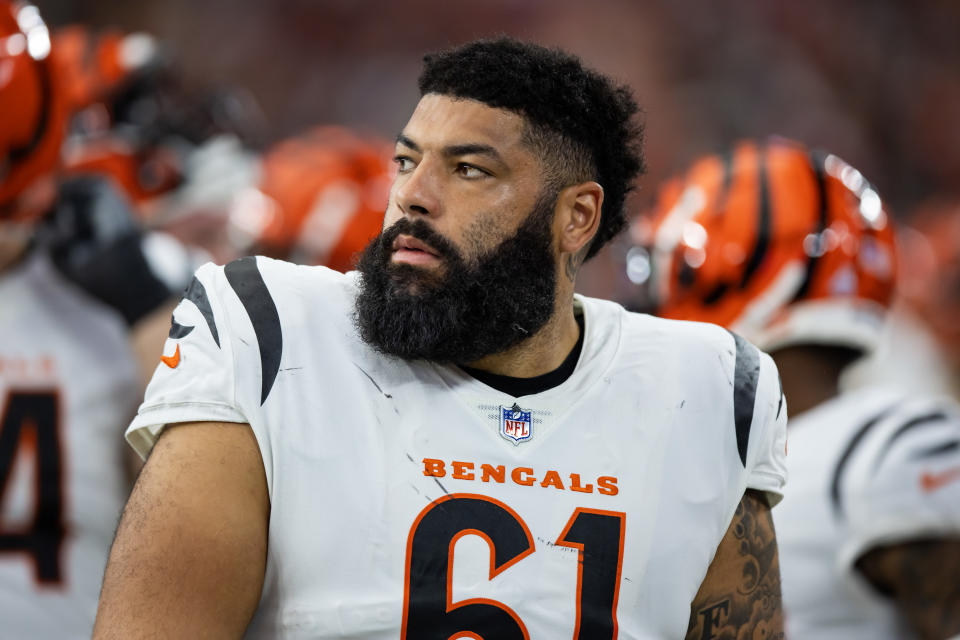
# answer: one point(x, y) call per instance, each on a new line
point(141, 173)
point(33, 113)
point(778, 243)
point(94, 65)
point(320, 199)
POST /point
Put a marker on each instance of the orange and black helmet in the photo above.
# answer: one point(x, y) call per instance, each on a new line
point(142, 174)
point(32, 107)
point(320, 198)
point(94, 65)
point(779, 243)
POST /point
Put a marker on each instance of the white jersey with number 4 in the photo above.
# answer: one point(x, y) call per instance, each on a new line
point(409, 500)
point(68, 385)
point(870, 468)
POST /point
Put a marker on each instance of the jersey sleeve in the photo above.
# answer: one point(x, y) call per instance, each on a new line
point(767, 448)
point(906, 483)
point(196, 378)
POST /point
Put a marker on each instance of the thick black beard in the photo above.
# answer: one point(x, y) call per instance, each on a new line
point(469, 311)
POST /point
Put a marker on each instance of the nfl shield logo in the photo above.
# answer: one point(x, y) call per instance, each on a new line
point(515, 424)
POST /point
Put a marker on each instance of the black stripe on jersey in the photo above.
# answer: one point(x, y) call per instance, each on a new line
point(845, 458)
point(780, 403)
point(746, 374)
point(178, 330)
point(247, 282)
point(817, 160)
point(197, 294)
point(919, 421)
point(763, 222)
point(931, 452)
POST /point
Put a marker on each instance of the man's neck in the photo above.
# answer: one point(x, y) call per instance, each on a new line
point(541, 353)
point(810, 375)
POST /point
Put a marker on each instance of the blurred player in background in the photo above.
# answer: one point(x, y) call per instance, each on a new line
point(319, 200)
point(178, 154)
point(78, 279)
point(794, 250)
point(114, 82)
point(67, 377)
point(151, 167)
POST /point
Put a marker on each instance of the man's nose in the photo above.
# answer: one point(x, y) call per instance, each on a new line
point(418, 191)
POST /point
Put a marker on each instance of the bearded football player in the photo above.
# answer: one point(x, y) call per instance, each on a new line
point(794, 249)
point(448, 442)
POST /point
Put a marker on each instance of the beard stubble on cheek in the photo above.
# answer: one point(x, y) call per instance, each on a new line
point(463, 310)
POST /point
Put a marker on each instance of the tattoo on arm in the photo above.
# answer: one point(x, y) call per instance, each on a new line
point(740, 597)
point(920, 576)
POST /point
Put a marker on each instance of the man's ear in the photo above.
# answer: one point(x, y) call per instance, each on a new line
point(578, 215)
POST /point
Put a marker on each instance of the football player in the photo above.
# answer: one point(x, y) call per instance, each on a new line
point(793, 249)
point(67, 377)
point(448, 443)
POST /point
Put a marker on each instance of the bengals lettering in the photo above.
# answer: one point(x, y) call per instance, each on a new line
point(523, 476)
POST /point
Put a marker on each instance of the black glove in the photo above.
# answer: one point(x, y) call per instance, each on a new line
point(95, 241)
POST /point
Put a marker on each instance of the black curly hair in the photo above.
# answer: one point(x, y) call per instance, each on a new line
point(581, 125)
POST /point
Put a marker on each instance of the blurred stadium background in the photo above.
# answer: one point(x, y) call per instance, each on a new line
point(877, 83)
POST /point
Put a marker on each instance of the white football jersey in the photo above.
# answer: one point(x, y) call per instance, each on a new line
point(868, 468)
point(68, 385)
point(410, 500)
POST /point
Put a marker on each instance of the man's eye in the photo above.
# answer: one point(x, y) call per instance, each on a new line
point(470, 171)
point(404, 163)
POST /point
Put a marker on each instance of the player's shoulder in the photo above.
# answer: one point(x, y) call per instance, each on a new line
point(273, 304)
point(262, 285)
point(891, 436)
point(691, 346)
point(277, 276)
point(910, 424)
point(861, 408)
point(881, 413)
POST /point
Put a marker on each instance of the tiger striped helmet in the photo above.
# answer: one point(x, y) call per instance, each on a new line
point(320, 199)
point(93, 65)
point(32, 110)
point(779, 243)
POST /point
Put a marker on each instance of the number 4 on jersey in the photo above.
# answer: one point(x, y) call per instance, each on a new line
point(429, 610)
point(28, 424)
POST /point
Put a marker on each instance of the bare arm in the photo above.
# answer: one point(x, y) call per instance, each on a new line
point(740, 596)
point(923, 579)
point(190, 551)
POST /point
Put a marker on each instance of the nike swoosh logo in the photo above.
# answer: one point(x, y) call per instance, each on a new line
point(171, 361)
point(933, 481)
